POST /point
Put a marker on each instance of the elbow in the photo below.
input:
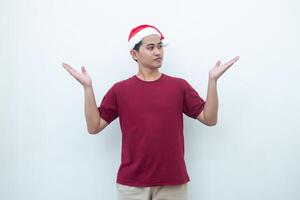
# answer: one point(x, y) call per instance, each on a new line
point(94, 128)
point(210, 119)
point(211, 123)
point(93, 131)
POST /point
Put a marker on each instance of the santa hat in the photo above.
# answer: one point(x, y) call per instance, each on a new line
point(138, 33)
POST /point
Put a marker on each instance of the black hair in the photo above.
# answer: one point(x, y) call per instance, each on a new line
point(137, 47)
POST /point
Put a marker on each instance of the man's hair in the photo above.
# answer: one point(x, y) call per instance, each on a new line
point(137, 47)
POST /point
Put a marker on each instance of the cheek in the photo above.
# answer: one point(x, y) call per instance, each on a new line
point(147, 56)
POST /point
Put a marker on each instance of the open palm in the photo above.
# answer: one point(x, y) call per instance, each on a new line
point(218, 69)
point(83, 77)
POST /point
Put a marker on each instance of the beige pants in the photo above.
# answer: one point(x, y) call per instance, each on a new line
point(175, 192)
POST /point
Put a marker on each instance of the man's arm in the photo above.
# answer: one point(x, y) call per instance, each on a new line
point(95, 123)
point(209, 114)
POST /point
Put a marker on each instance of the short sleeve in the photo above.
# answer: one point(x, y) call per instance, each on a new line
point(193, 104)
point(108, 107)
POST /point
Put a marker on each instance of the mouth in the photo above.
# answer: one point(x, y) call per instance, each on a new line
point(158, 59)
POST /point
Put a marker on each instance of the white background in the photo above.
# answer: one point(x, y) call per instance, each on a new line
point(45, 150)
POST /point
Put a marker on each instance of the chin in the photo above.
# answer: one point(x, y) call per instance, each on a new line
point(157, 65)
point(154, 66)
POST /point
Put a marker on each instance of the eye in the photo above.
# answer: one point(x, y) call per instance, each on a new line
point(150, 48)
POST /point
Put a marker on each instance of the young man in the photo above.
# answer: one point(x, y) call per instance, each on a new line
point(150, 107)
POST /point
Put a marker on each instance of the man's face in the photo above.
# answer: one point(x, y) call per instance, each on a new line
point(151, 52)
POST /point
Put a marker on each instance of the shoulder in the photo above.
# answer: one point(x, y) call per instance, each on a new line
point(122, 84)
point(178, 80)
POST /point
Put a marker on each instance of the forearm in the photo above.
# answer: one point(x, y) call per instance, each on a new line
point(91, 110)
point(210, 110)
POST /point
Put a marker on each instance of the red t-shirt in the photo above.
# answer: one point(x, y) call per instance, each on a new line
point(151, 121)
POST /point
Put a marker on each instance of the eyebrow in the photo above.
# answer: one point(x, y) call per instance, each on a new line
point(150, 44)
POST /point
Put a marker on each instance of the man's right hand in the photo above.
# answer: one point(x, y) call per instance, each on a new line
point(84, 79)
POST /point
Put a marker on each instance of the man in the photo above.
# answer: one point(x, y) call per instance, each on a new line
point(150, 107)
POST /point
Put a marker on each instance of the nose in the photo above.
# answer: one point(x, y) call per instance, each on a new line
point(157, 51)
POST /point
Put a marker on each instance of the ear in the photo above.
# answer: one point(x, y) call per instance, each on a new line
point(134, 54)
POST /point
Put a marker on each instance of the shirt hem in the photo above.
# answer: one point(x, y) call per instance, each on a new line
point(152, 183)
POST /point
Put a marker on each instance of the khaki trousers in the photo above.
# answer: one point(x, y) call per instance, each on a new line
point(174, 192)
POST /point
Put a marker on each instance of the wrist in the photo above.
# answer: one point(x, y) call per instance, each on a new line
point(212, 80)
point(88, 87)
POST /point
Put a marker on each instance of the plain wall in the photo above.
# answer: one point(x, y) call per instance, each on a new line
point(45, 149)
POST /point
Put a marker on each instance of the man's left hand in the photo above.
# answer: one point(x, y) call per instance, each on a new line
point(219, 69)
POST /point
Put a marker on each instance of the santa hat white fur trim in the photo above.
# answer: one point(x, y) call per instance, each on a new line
point(141, 34)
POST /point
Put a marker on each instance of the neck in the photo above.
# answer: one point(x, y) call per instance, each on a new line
point(147, 74)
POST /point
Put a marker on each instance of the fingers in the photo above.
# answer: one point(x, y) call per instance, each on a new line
point(83, 70)
point(67, 67)
point(72, 71)
point(218, 63)
point(233, 60)
point(230, 62)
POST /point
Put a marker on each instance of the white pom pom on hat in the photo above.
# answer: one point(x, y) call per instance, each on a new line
point(138, 33)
